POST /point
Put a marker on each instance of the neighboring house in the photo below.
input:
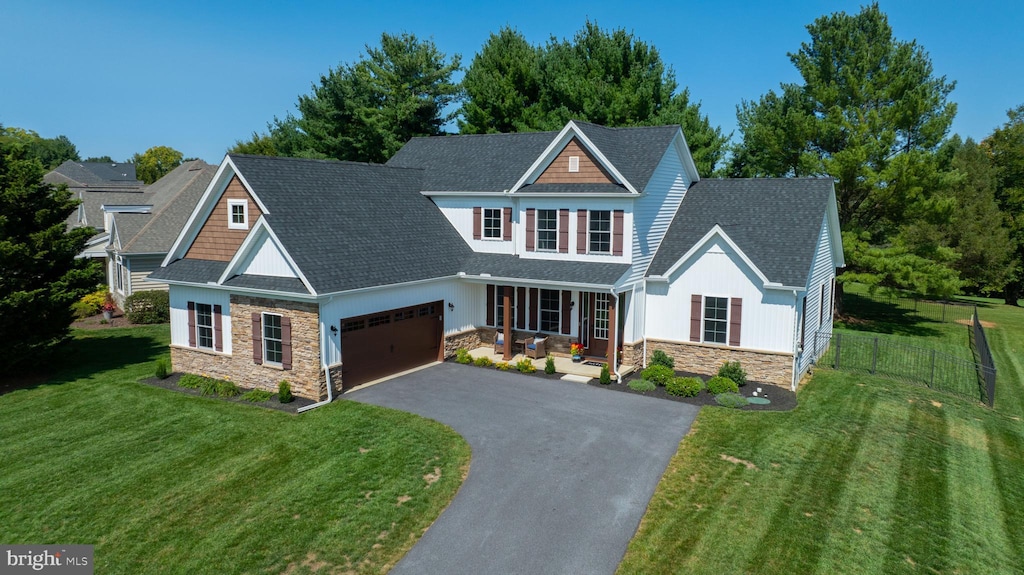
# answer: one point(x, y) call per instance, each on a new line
point(139, 242)
point(322, 272)
point(103, 188)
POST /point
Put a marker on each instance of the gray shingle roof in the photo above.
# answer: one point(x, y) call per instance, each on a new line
point(192, 271)
point(775, 221)
point(509, 266)
point(289, 285)
point(95, 174)
point(349, 225)
point(174, 196)
point(635, 152)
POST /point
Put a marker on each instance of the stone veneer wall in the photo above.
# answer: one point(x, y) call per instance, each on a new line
point(467, 340)
point(632, 354)
point(761, 366)
point(306, 375)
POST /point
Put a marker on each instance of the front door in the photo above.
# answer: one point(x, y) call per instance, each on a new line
point(597, 331)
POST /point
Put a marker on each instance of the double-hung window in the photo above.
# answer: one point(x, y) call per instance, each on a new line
point(499, 305)
point(204, 325)
point(272, 352)
point(547, 230)
point(492, 223)
point(716, 316)
point(600, 232)
point(550, 311)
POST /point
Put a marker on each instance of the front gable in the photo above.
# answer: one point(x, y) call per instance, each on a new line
point(218, 238)
point(584, 169)
point(554, 163)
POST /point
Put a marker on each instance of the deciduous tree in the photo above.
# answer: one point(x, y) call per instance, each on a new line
point(155, 162)
point(1006, 146)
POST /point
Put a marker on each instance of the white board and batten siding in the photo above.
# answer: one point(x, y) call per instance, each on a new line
point(459, 211)
point(653, 212)
point(718, 271)
point(266, 259)
point(468, 298)
point(181, 295)
point(819, 301)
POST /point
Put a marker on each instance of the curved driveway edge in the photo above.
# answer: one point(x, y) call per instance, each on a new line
point(560, 476)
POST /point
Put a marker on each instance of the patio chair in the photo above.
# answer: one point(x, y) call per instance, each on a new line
point(499, 343)
point(535, 348)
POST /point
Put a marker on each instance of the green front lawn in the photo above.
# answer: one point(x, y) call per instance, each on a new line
point(162, 482)
point(867, 475)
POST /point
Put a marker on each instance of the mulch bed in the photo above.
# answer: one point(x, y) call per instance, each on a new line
point(781, 399)
point(171, 383)
point(97, 322)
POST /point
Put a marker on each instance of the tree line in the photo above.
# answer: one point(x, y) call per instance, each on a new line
point(920, 209)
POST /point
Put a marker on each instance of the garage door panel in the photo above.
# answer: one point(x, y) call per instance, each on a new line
point(376, 345)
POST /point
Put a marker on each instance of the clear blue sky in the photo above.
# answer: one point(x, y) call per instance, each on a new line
point(118, 78)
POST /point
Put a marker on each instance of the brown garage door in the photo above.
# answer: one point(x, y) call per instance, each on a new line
point(379, 344)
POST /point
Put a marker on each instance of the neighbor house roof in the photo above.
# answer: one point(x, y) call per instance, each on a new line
point(173, 197)
point(774, 221)
point(95, 174)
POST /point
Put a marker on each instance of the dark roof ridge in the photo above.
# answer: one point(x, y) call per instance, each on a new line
point(656, 127)
point(552, 132)
point(327, 161)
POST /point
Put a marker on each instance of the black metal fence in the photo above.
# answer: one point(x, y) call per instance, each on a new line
point(935, 310)
point(899, 361)
point(983, 355)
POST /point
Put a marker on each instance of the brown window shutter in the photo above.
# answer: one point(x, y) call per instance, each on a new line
point(695, 317)
point(581, 231)
point(534, 308)
point(735, 320)
point(218, 334)
point(506, 224)
point(521, 308)
point(563, 231)
point(566, 311)
point(531, 229)
point(490, 304)
point(617, 225)
point(478, 223)
point(191, 324)
point(257, 338)
point(286, 342)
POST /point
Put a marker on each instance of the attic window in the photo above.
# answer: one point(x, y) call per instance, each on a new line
point(238, 215)
point(574, 163)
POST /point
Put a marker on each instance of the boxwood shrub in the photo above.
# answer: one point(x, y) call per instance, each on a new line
point(147, 307)
point(661, 358)
point(733, 371)
point(719, 384)
point(684, 386)
point(659, 374)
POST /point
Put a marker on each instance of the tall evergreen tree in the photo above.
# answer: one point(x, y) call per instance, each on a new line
point(41, 277)
point(1006, 146)
point(870, 113)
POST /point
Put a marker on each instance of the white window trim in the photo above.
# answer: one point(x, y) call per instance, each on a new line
point(498, 299)
point(607, 318)
point(703, 312)
point(501, 225)
point(245, 215)
point(119, 274)
point(263, 327)
point(611, 232)
point(537, 230)
point(574, 164)
point(212, 327)
point(540, 311)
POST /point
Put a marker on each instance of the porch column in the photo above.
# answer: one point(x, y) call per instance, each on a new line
point(613, 337)
point(506, 294)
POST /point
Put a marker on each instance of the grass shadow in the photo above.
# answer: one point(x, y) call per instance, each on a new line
point(862, 313)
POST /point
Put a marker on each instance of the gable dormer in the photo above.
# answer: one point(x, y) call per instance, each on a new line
point(575, 165)
point(227, 225)
point(572, 158)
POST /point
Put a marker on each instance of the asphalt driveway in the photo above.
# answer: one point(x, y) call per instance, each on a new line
point(560, 476)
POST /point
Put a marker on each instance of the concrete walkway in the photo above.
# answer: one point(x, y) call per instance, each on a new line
point(561, 472)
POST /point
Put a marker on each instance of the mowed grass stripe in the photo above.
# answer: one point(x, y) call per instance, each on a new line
point(162, 482)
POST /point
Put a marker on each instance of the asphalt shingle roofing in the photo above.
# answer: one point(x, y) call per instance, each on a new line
point(173, 196)
point(775, 221)
point(349, 225)
point(509, 266)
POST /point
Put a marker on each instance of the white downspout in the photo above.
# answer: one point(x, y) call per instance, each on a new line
point(327, 372)
point(614, 360)
point(643, 361)
point(796, 325)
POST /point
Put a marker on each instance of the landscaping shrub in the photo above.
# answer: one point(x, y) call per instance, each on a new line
point(719, 384)
point(642, 385)
point(147, 307)
point(257, 395)
point(733, 400)
point(284, 392)
point(209, 385)
point(462, 356)
point(659, 374)
point(606, 376)
point(662, 358)
point(162, 369)
point(483, 361)
point(684, 386)
point(90, 304)
point(733, 371)
point(549, 365)
point(503, 365)
point(525, 366)
point(191, 381)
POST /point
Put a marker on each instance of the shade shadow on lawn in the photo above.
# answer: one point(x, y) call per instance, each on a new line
point(1005, 449)
point(921, 510)
point(882, 317)
point(819, 485)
